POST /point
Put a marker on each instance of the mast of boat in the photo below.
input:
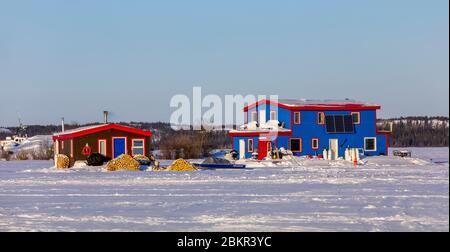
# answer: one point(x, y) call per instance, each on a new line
point(22, 127)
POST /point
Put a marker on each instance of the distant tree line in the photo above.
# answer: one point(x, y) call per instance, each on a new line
point(418, 131)
point(171, 143)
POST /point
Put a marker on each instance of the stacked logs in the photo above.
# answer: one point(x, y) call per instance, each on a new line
point(181, 165)
point(62, 161)
point(123, 162)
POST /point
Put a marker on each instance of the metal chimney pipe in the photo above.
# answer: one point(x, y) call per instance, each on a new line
point(62, 124)
point(105, 117)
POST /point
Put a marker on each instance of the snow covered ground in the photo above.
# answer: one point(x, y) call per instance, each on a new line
point(385, 194)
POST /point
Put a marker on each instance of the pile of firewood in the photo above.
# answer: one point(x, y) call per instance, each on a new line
point(123, 162)
point(62, 161)
point(181, 165)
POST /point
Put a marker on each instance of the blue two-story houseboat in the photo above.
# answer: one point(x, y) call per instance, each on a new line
point(307, 127)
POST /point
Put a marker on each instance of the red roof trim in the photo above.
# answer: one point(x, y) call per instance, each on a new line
point(325, 107)
point(259, 133)
point(100, 129)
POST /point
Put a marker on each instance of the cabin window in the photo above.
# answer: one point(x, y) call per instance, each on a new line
point(254, 117)
point(356, 117)
point(297, 118)
point(295, 144)
point(315, 143)
point(62, 144)
point(137, 147)
point(273, 115)
point(321, 118)
point(250, 147)
point(370, 143)
point(102, 146)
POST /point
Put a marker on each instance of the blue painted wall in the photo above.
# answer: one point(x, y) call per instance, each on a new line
point(247, 153)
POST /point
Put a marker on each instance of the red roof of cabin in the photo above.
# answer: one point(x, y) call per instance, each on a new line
point(98, 128)
point(316, 105)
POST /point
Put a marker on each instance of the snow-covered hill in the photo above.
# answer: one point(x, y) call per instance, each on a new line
point(5, 131)
point(425, 122)
point(34, 143)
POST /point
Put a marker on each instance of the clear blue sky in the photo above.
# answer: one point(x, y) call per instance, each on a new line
point(77, 58)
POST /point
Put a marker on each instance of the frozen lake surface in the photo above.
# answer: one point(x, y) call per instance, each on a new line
point(384, 194)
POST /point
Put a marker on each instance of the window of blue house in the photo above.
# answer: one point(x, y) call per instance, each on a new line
point(356, 117)
point(339, 124)
point(273, 115)
point(250, 146)
point(315, 143)
point(370, 144)
point(320, 118)
point(295, 144)
point(297, 117)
